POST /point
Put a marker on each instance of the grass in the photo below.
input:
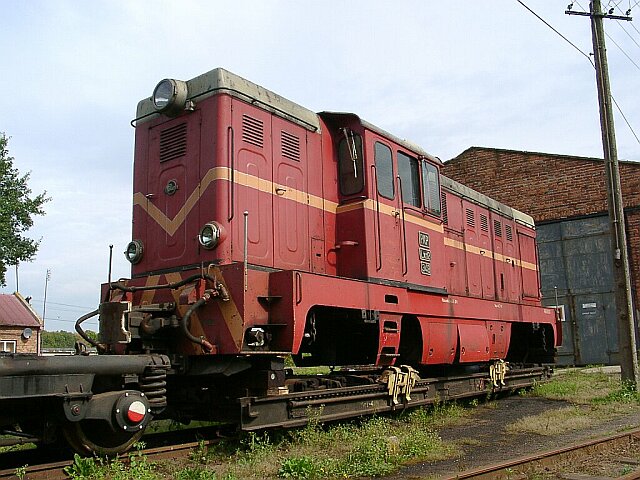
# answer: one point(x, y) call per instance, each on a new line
point(595, 397)
point(372, 447)
point(138, 467)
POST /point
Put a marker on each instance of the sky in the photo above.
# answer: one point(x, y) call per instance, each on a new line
point(444, 75)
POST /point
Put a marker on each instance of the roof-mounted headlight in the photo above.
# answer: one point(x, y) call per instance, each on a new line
point(134, 251)
point(209, 235)
point(170, 96)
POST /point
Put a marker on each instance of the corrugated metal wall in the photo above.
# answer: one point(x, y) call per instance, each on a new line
point(576, 265)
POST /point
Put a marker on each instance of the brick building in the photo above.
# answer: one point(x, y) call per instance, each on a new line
point(19, 325)
point(566, 195)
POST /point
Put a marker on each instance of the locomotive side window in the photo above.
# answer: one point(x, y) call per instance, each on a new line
point(431, 187)
point(409, 172)
point(384, 170)
point(350, 164)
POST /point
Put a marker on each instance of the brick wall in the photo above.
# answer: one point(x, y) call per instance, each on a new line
point(547, 187)
point(550, 187)
point(22, 345)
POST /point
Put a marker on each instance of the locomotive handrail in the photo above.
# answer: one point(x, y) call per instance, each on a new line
point(374, 182)
point(232, 168)
point(405, 266)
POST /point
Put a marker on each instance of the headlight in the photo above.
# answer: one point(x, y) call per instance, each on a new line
point(170, 96)
point(134, 251)
point(209, 235)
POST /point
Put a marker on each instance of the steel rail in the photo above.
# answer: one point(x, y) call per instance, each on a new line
point(56, 470)
point(504, 469)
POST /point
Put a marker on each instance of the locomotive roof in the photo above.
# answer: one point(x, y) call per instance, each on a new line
point(220, 80)
point(490, 203)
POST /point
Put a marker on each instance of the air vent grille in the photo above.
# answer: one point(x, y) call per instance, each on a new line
point(445, 215)
point(509, 231)
point(471, 218)
point(484, 223)
point(253, 131)
point(173, 142)
point(290, 146)
point(497, 228)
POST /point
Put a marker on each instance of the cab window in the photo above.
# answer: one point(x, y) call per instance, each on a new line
point(409, 171)
point(350, 163)
point(384, 170)
point(431, 188)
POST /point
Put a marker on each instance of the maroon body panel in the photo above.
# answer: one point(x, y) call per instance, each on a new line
point(348, 231)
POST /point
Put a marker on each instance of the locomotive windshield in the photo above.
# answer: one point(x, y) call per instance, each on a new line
point(350, 160)
point(409, 171)
point(384, 171)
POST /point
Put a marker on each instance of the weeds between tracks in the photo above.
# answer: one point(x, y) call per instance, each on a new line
point(373, 447)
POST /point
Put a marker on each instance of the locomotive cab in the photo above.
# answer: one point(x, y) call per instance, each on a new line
point(388, 218)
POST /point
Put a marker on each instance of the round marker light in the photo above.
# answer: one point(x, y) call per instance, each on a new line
point(209, 235)
point(170, 96)
point(134, 251)
point(136, 412)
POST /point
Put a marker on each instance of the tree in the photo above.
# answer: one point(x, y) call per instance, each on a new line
point(62, 339)
point(16, 211)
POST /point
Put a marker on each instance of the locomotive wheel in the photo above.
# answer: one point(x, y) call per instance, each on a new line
point(95, 437)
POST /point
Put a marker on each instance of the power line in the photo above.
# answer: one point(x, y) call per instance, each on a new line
point(628, 34)
point(588, 57)
point(62, 304)
point(632, 25)
point(556, 31)
point(622, 50)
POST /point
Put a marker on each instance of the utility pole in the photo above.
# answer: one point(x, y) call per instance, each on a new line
point(44, 307)
point(622, 278)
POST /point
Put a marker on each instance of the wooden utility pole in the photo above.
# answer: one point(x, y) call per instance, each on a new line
point(622, 278)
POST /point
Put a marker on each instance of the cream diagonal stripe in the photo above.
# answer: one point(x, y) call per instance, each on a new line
point(223, 173)
point(267, 186)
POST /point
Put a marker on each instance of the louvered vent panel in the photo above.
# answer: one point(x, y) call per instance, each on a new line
point(509, 232)
point(290, 146)
point(253, 131)
point(471, 219)
point(497, 227)
point(173, 142)
point(484, 223)
point(445, 215)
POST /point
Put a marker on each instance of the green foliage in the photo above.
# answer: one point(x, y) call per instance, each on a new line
point(298, 467)
point(16, 211)
point(195, 473)
point(625, 394)
point(62, 339)
point(21, 472)
point(577, 386)
point(91, 468)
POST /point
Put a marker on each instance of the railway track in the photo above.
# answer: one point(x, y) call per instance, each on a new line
point(325, 405)
point(56, 470)
point(575, 462)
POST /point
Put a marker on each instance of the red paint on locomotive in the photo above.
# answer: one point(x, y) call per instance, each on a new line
point(357, 251)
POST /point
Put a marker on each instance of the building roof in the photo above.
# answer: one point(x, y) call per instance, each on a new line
point(15, 311)
point(559, 156)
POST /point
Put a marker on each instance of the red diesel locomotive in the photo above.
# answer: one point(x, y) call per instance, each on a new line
point(263, 230)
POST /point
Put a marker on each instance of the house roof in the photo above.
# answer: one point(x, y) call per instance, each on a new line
point(15, 311)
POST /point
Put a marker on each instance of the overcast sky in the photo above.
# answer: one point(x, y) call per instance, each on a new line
point(445, 75)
